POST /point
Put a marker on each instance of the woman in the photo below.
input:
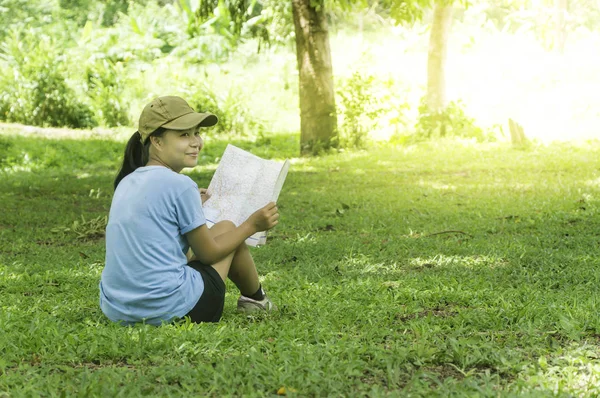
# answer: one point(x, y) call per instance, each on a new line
point(156, 217)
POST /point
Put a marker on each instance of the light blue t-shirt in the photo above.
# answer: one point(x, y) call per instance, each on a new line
point(146, 277)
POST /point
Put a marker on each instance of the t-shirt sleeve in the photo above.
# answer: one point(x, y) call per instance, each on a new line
point(188, 207)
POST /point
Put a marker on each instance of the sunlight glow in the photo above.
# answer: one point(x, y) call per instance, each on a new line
point(476, 261)
point(496, 75)
point(437, 185)
point(576, 371)
point(16, 169)
point(595, 183)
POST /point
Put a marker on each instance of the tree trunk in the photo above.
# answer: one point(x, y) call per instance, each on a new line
point(318, 119)
point(436, 65)
point(436, 61)
point(560, 28)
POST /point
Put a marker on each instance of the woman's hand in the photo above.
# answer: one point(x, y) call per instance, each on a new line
point(203, 194)
point(210, 249)
point(265, 218)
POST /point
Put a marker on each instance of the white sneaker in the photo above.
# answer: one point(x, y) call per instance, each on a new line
point(248, 305)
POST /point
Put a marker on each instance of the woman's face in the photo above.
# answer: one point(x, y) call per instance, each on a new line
point(179, 148)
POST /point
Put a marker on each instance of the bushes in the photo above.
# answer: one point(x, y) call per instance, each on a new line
point(34, 87)
point(368, 108)
point(60, 74)
point(105, 88)
point(358, 109)
point(57, 74)
point(452, 122)
point(232, 108)
point(15, 13)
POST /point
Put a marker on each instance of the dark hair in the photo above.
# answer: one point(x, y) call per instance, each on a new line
point(136, 154)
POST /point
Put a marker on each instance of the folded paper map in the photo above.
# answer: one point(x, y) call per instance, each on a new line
point(242, 184)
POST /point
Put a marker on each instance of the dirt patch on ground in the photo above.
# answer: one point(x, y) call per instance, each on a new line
point(438, 312)
point(446, 371)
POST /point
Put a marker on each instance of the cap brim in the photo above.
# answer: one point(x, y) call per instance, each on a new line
point(190, 120)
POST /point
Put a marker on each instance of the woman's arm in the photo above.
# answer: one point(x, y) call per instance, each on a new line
point(210, 250)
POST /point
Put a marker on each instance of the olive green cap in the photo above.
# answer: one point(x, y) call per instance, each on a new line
point(171, 113)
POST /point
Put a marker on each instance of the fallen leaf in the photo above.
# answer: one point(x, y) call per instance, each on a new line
point(284, 391)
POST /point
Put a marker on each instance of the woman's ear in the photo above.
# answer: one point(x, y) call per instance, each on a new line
point(155, 142)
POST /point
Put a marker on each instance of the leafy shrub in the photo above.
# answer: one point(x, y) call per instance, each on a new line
point(77, 11)
point(33, 84)
point(18, 13)
point(81, 11)
point(273, 23)
point(113, 8)
point(105, 88)
point(220, 25)
point(147, 34)
point(361, 102)
point(231, 107)
point(204, 49)
point(154, 26)
point(452, 122)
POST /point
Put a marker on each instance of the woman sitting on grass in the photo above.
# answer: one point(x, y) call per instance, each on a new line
point(156, 217)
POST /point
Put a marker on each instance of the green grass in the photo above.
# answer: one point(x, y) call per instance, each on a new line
point(377, 295)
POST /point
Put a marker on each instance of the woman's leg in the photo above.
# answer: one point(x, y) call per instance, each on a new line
point(243, 271)
point(239, 265)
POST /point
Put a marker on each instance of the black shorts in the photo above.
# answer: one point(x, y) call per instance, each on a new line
point(209, 307)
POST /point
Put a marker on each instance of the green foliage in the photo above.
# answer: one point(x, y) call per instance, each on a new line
point(33, 84)
point(112, 11)
point(152, 32)
point(451, 122)
point(583, 13)
point(358, 109)
point(369, 109)
point(17, 13)
point(129, 41)
point(274, 24)
point(232, 108)
point(538, 18)
point(108, 12)
point(77, 10)
point(268, 20)
point(204, 49)
point(83, 229)
point(105, 57)
point(105, 86)
point(406, 11)
point(225, 17)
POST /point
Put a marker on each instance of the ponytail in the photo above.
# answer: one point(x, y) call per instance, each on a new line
point(136, 154)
